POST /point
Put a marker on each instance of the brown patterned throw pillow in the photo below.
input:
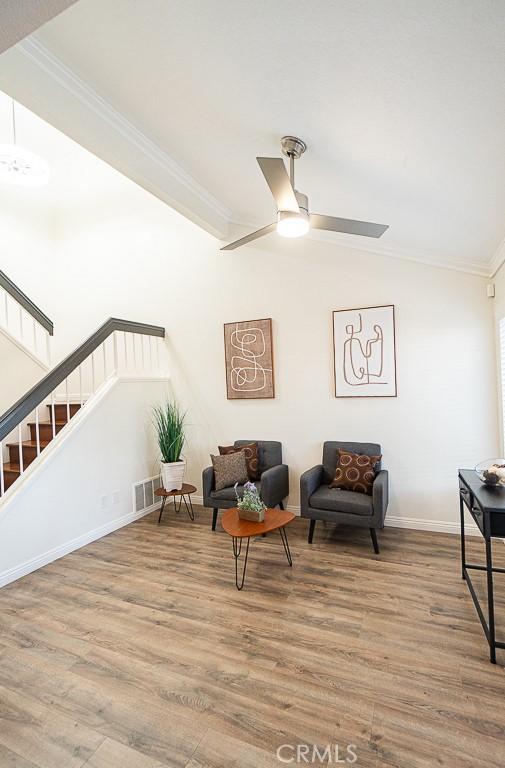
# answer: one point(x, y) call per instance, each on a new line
point(251, 457)
point(229, 469)
point(355, 472)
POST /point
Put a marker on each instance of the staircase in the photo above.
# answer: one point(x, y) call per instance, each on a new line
point(23, 322)
point(59, 416)
point(118, 348)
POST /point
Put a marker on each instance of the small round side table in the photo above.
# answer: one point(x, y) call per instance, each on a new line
point(185, 495)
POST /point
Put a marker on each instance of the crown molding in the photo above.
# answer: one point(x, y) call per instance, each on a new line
point(497, 259)
point(207, 211)
point(470, 268)
point(376, 248)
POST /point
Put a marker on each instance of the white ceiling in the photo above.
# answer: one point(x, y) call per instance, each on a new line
point(19, 18)
point(401, 103)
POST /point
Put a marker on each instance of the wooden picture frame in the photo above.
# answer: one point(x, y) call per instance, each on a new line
point(249, 360)
point(364, 352)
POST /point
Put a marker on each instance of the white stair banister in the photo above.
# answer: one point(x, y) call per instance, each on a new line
point(24, 322)
point(56, 393)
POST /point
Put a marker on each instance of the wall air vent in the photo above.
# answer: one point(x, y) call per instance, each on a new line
point(144, 499)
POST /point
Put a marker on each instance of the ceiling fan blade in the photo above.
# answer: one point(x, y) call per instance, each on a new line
point(250, 237)
point(352, 227)
point(277, 178)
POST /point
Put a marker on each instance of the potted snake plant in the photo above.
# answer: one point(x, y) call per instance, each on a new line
point(169, 421)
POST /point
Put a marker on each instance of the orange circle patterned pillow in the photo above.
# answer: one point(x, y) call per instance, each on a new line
point(355, 472)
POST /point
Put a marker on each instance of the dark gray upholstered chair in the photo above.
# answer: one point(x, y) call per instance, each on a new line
point(273, 484)
point(319, 502)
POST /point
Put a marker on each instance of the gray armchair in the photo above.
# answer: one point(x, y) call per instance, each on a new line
point(319, 502)
point(273, 485)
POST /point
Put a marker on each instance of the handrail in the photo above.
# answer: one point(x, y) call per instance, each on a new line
point(27, 304)
point(15, 415)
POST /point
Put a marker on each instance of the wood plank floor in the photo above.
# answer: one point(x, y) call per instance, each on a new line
point(137, 651)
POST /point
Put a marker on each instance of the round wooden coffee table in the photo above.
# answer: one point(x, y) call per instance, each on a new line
point(275, 520)
point(185, 495)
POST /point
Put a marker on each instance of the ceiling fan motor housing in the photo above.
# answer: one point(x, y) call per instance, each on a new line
point(303, 201)
point(303, 204)
point(291, 146)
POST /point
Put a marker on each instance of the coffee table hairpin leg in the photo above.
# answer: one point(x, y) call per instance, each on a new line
point(237, 549)
point(284, 538)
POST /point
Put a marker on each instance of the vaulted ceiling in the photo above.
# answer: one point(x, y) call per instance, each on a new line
point(401, 103)
point(18, 18)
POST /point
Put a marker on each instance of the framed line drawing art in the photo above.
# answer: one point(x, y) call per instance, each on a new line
point(364, 347)
point(249, 360)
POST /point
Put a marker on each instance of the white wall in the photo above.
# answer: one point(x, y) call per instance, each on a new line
point(26, 240)
point(129, 255)
point(444, 416)
point(82, 486)
point(26, 244)
point(499, 313)
point(134, 257)
point(18, 372)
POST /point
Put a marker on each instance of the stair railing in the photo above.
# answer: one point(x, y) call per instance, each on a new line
point(24, 321)
point(118, 347)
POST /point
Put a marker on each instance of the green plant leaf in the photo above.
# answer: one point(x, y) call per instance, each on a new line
point(169, 422)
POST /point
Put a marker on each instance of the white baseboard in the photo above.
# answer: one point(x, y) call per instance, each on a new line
point(394, 521)
point(439, 526)
point(29, 566)
point(69, 546)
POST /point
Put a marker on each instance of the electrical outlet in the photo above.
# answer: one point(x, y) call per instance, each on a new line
point(104, 502)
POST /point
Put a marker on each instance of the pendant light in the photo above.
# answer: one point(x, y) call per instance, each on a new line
point(20, 166)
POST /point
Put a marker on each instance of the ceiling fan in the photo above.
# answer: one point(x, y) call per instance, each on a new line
point(293, 217)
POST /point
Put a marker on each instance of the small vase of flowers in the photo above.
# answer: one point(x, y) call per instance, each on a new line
point(250, 506)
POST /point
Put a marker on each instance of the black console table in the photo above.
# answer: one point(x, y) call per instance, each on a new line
point(486, 505)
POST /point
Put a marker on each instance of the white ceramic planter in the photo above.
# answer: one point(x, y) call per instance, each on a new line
point(172, 475)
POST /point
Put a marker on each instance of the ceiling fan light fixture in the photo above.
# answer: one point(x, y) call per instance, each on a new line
point(291, 224)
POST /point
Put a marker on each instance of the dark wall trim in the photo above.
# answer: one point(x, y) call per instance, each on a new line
point(26, 303)
point(48, 384)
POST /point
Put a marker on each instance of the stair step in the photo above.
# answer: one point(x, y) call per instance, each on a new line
point(45, 429)
point(29, 451)
point(60, 410)
point(12, 469)
point(30, 443)
point(11, 474)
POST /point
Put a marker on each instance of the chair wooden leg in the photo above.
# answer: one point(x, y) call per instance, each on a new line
point(312, 525)
point(373, 534)
point(281, 504)
point(214, 519)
